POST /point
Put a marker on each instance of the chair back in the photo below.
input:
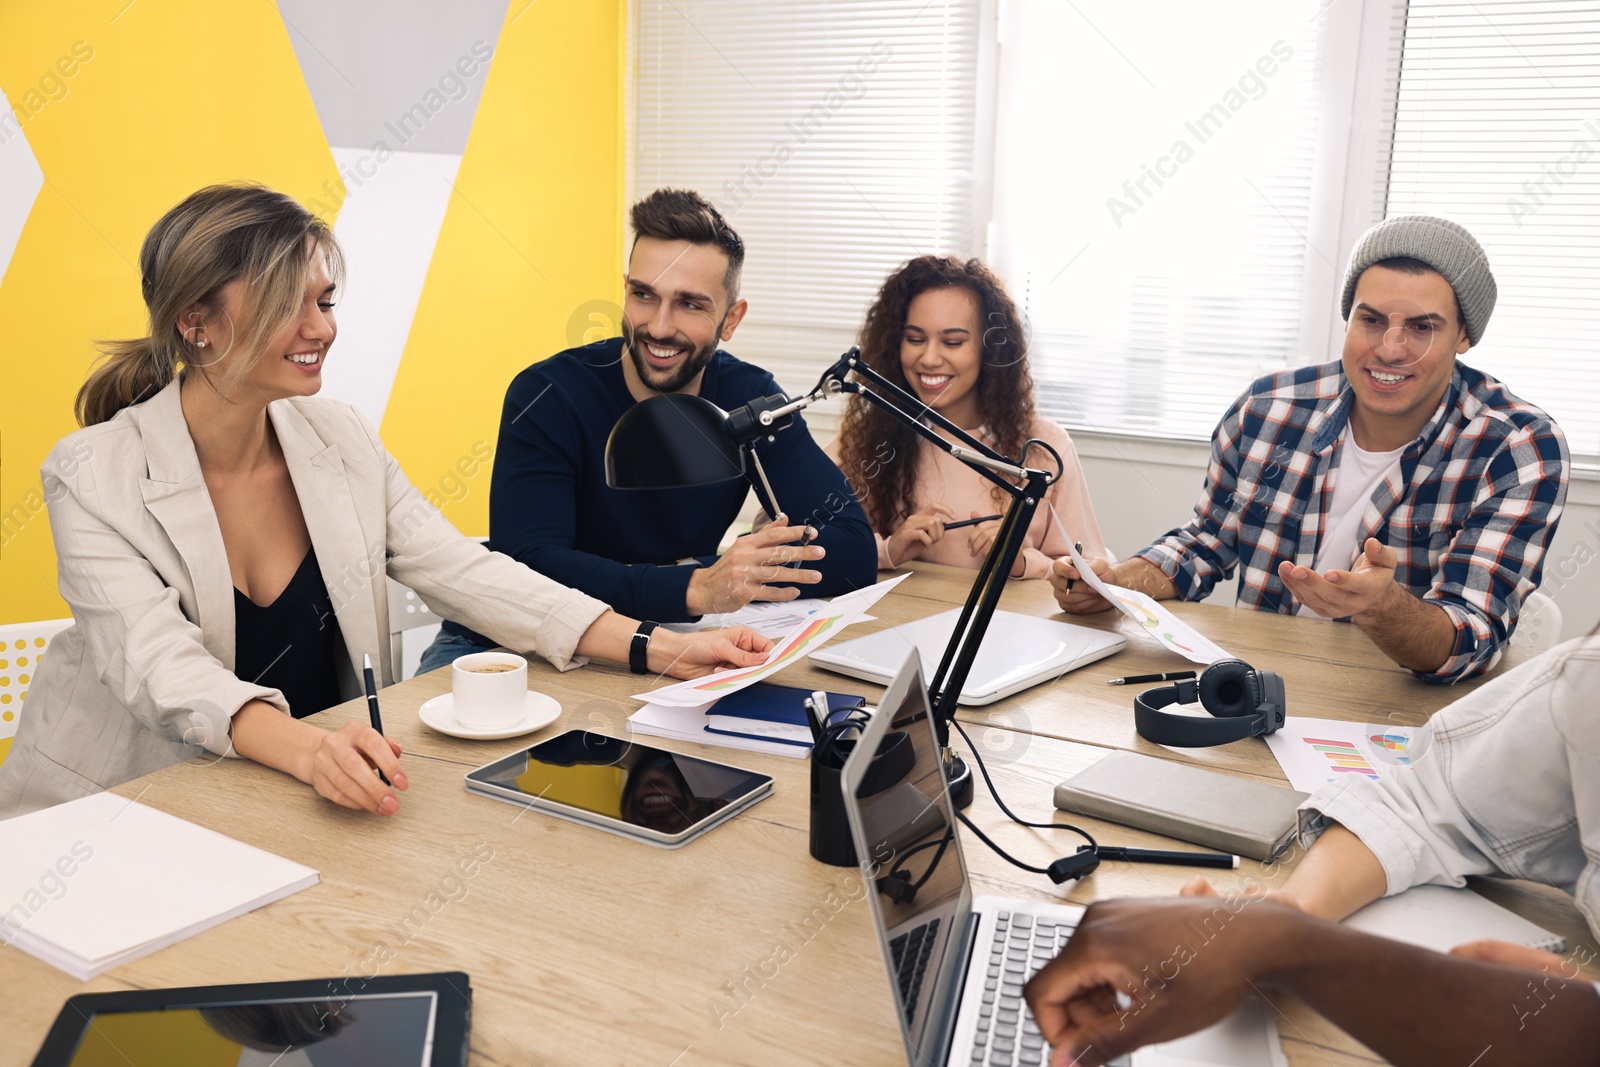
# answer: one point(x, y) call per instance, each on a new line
point(1539, 625)
point(22, 644)
point(406, 612)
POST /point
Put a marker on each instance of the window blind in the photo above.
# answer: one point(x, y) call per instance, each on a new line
point(838, 137)
point(1152, 192)
point(1497, 126)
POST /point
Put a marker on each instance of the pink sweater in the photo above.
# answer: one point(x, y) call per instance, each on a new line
point(946, 480)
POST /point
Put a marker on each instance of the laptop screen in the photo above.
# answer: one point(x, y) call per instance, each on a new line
point(909, 825)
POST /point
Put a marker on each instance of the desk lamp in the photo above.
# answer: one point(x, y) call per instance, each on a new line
point(675, 440)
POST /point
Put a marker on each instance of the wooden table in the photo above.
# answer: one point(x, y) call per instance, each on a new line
point(586, 948)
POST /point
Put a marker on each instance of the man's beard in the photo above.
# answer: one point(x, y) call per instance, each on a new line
point(684, 372)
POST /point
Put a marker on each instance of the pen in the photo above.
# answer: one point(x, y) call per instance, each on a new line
point(816, 714)
point(372, 701)
point(971, 522)
point(1136, 679)
point(1176, 859)
point(1079, 546)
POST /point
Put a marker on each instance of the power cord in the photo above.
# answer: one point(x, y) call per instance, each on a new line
point(1068, 868)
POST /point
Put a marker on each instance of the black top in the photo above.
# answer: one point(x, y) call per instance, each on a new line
point(290, 644)
point(550, 507)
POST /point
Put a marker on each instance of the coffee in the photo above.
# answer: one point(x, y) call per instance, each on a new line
point(491, 668)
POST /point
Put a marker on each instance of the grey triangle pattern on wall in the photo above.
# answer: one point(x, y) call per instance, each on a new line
point(406, 73)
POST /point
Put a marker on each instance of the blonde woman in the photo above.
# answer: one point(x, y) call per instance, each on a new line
point(223, 537)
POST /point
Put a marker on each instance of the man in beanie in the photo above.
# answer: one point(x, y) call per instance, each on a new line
point(1396, 488)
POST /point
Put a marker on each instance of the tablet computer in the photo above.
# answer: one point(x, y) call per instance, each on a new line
point(622, 787)
point(412, 1020)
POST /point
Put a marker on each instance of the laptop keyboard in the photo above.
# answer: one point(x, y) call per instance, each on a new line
point(1006, 1033)
point(911, 951)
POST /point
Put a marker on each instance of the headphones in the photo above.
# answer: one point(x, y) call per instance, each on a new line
point(1248, 703)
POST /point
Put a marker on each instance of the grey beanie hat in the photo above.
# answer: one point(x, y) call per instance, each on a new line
point(1443, 245)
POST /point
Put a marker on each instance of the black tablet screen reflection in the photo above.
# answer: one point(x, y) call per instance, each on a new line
point(382, 1029)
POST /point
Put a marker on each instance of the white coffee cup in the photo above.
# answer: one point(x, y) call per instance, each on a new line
point(489, 689)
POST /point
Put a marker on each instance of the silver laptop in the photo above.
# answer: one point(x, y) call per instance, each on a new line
point(1018, 652)
point(957, 964)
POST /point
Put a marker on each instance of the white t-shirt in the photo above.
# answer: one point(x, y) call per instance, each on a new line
point(1359, 474)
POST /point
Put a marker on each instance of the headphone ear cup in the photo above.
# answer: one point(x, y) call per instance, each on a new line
point(1229, 687)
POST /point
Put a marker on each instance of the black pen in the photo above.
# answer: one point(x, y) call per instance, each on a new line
point(971, 522)
point(1079, 546)
point(1137, 679)
point(372, 701)
point(1177, 859)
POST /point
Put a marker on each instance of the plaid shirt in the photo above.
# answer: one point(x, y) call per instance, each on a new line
point(1474, 506)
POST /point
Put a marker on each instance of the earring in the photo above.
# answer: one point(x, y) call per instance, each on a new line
point(199, 344)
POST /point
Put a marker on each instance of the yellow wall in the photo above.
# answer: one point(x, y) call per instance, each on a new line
point(176, 94)
point(533, 233)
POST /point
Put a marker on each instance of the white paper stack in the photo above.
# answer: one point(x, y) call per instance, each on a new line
point(95, 883)
point(1440, 918)
point(689, 724)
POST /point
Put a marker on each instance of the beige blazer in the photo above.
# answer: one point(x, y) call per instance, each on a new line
point(144, 676)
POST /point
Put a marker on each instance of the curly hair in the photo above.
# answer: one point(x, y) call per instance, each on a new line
point(880, 456)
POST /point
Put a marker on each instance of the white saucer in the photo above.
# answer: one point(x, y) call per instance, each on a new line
point(538, 711)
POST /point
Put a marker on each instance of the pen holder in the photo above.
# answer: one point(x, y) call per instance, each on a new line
point(830, 827)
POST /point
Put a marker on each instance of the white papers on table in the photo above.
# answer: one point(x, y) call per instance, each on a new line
point(1157, 621)
point(814, 631)
point(1440, 918)
point(1314, 752)
point(97, 882)
point(1247, 1038)
point(689, 724)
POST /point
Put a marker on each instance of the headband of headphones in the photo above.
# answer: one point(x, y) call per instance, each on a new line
point(1245, 701)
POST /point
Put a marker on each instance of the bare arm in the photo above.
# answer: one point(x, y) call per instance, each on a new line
point(1138, 573)
point(672, 653)
point(1337, 877)
point(1180, 965)
point(1414, 634)
point(341, 764)
point(1411, 632)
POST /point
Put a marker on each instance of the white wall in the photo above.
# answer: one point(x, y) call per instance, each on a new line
point(1142, 487)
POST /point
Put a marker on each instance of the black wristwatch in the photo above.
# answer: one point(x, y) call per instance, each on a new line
point(638, 646)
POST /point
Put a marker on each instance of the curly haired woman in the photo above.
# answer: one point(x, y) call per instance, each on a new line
point(946, 331)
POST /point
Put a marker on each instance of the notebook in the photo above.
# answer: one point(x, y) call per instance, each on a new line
point(97, 882)
point(957, 963)
point(1203, 807)
point(760, 723)
point(767, 712)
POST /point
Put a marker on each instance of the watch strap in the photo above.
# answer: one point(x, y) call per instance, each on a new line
point(638, 646)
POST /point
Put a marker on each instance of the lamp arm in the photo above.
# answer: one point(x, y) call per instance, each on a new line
point(945, 684)
point(900, 403)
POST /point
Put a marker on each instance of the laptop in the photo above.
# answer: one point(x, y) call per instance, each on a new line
point(957, 963)
point(1018, 652)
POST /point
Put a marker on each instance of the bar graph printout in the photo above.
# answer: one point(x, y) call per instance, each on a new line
point(1314, 752)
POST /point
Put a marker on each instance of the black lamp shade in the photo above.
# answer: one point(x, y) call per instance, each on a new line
point(671, 442)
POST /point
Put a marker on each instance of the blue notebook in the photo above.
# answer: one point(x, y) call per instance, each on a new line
point(766, 712)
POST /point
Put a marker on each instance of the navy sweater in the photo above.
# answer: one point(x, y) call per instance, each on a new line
point(550, 507)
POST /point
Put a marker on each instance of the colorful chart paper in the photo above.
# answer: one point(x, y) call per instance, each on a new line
point(1342, 757)
point(1314, 752)
point(1157, 621)
point(811, 631)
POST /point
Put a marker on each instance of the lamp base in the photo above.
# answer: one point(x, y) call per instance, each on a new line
point(961, 784)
